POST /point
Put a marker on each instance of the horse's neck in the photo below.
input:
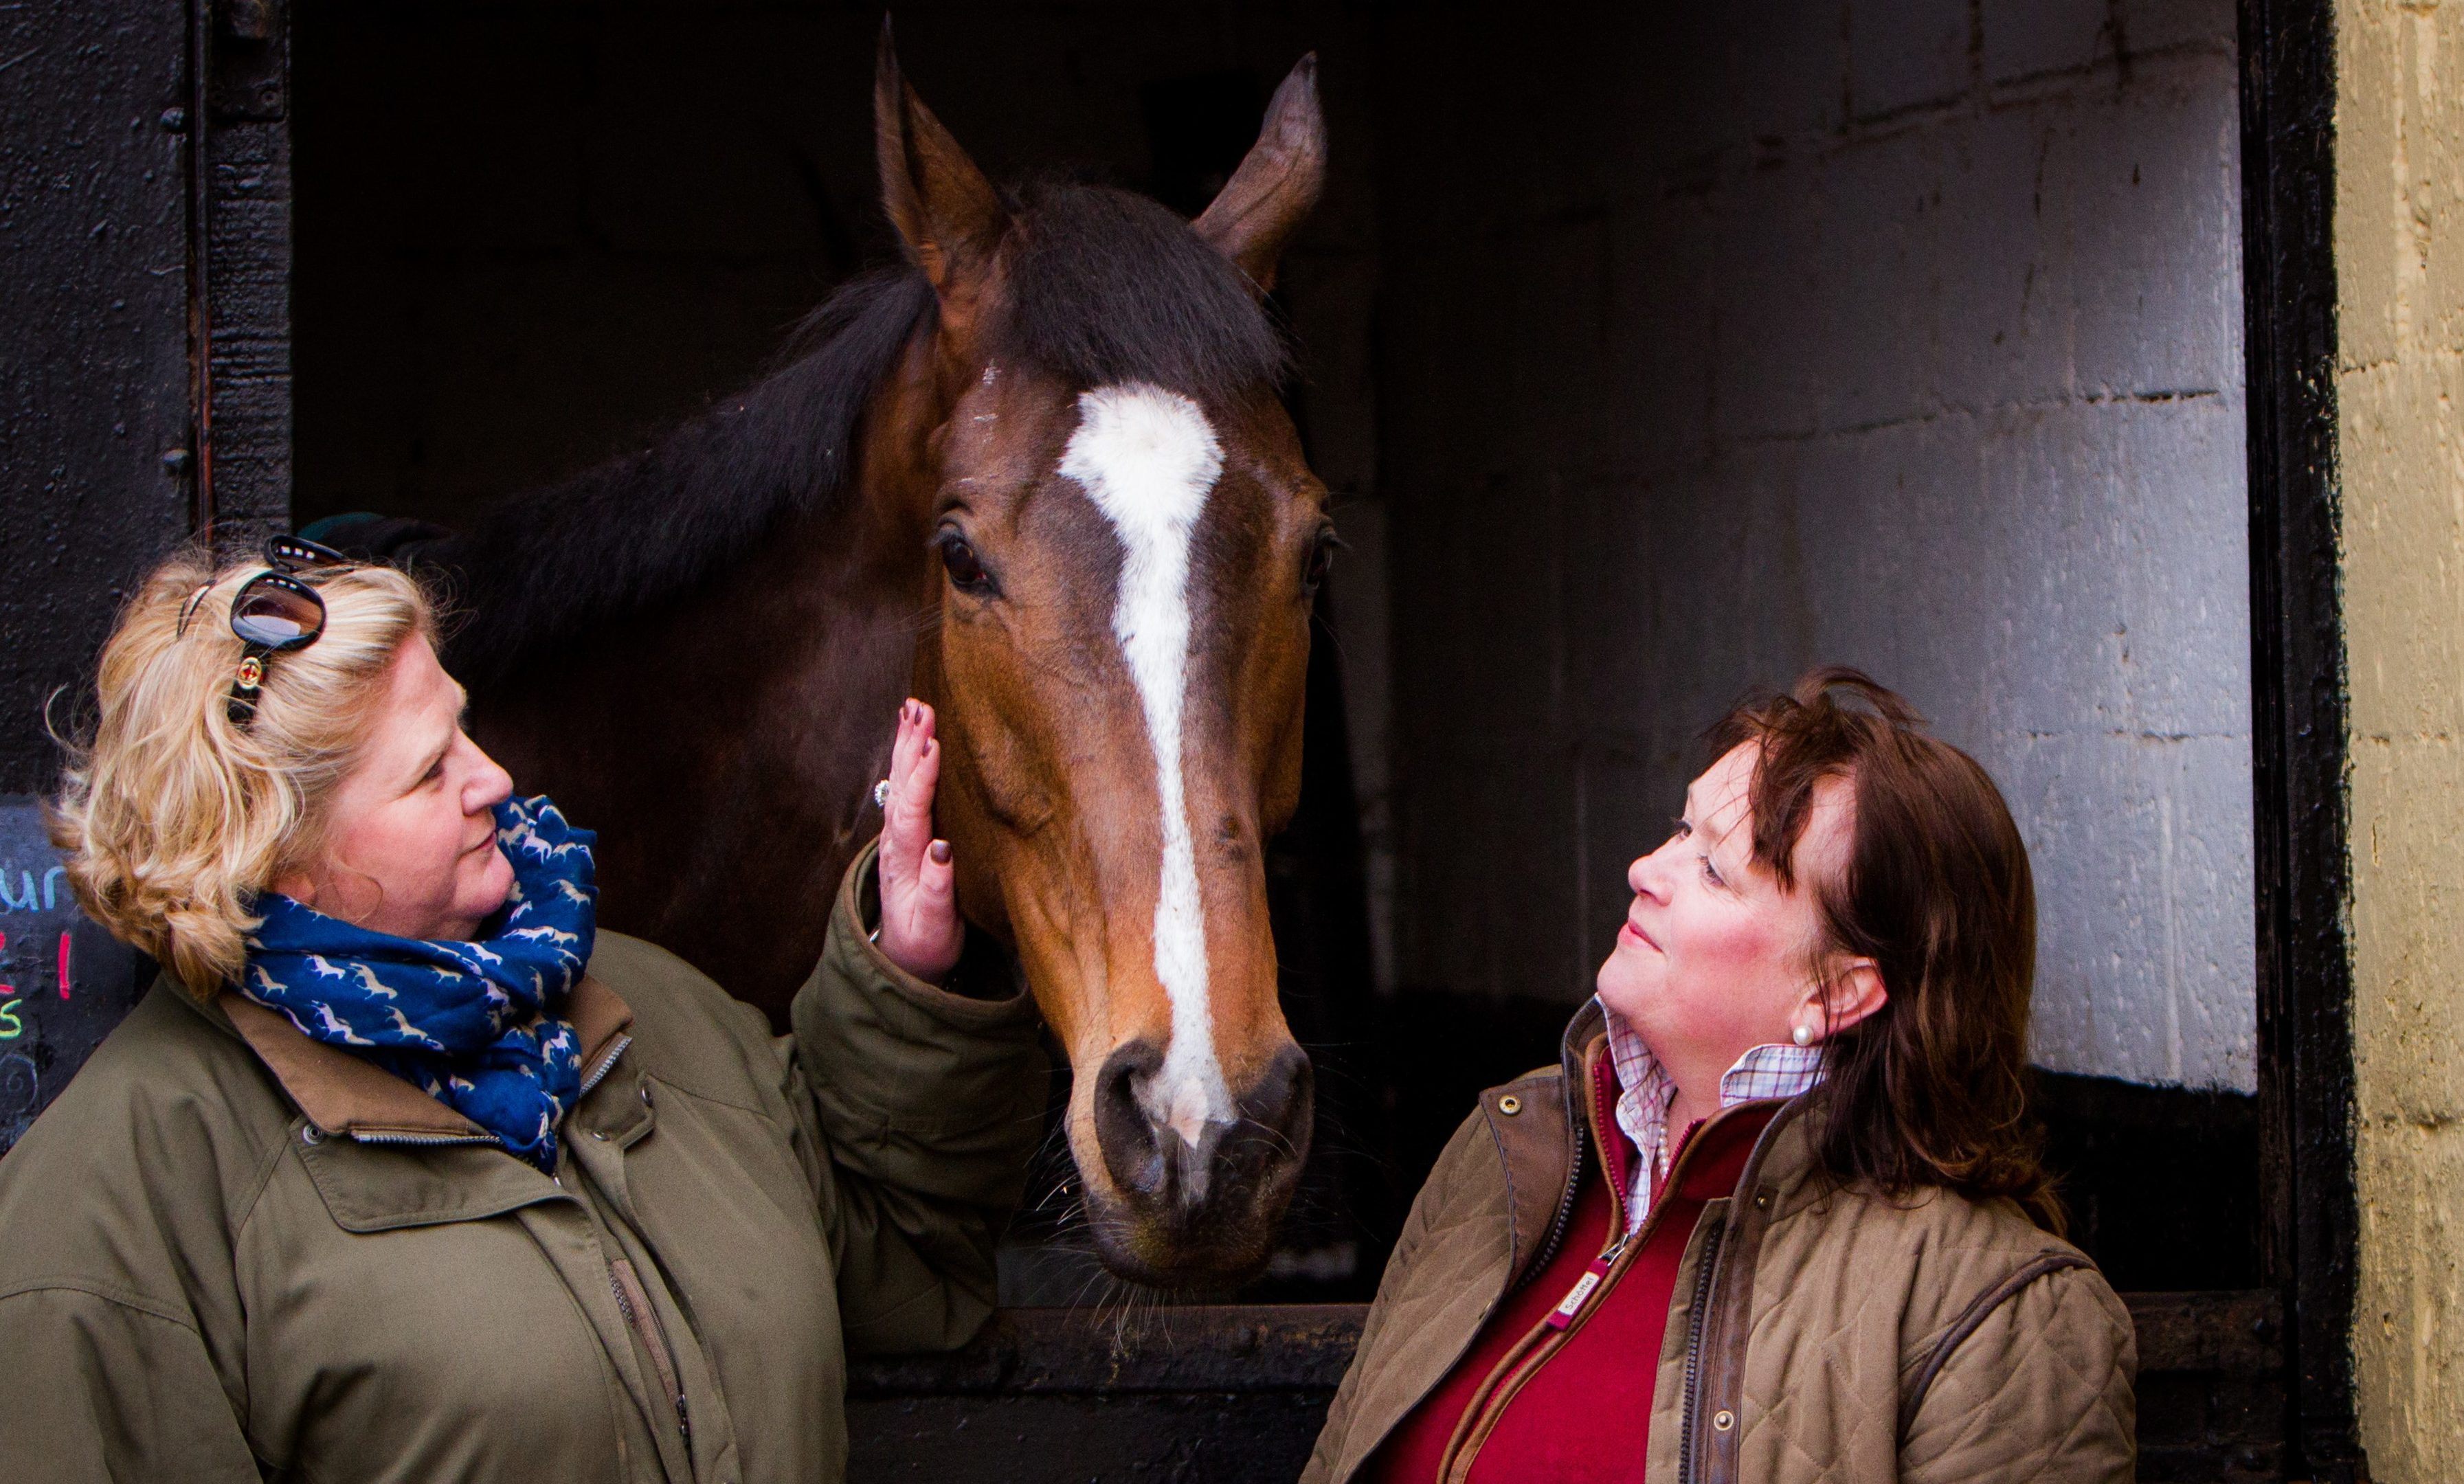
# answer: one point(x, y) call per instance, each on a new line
point(725, 745)
point(725, 742)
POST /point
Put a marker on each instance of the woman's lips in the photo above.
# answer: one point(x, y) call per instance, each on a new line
point(1629, 931)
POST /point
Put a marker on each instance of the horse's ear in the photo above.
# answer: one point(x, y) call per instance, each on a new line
point(945, 210)
point(1278, 182)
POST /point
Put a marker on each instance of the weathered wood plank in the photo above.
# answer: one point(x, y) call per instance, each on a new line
point(1234, 1393)
point(94, 339)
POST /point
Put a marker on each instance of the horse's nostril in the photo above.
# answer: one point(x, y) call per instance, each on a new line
point(1195, 1195)
point(1285, 1097)
point(1132, 1151)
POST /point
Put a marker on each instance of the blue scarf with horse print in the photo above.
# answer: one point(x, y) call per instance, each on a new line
point(475, 1024)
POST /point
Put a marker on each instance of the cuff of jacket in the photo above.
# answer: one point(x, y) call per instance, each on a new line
point(854, 920)
point(894, 1058)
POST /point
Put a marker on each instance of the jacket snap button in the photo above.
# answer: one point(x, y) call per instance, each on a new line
point(1762, 1200)
point(646, 1095)
point(1510, 1105)
point(1723, 1419)
point(600, 1134)
point(310, 1135)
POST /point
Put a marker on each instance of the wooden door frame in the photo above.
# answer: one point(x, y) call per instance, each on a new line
point(239, 269)
point(2303, 806)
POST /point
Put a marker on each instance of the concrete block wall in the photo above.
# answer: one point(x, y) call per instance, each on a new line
point(2399, 244)
point(1718, 343)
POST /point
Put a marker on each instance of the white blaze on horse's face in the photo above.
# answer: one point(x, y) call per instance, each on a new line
point(1149, 458)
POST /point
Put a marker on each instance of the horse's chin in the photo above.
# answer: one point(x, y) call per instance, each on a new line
point(1210, 1253)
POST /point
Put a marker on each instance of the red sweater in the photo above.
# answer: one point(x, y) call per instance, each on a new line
point(1557, 1387)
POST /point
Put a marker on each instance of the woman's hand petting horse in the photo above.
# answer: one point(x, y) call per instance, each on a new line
point(920, 929)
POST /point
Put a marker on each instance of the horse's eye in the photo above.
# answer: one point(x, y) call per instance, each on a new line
point(1321, 560)
point(966, 570)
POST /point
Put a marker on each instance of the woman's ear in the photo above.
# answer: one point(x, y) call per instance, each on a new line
point(296, 886)
point(1853, 992)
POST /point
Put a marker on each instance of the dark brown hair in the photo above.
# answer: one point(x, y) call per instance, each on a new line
point(1932, 1089)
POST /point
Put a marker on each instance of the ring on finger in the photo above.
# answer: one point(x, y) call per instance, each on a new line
point(881, 795)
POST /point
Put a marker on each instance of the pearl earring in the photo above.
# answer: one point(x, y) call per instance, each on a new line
point(1802, 1035)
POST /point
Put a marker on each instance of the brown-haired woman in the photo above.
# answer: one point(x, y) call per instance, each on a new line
point(1777, 1217)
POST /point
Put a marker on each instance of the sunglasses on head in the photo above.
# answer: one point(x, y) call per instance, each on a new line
point(274, 612)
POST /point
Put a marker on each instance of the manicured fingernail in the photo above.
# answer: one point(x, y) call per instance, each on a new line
point(940, 852)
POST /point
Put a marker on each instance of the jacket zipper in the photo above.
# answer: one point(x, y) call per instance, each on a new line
point(1558, 1224)
point(596, 1073)
point(384, 1137)
point(1533, 1350)
point(1706, 1279)
point(604, 1066)
point(654, 1336)
point(1597, 1273)
point(1519, 1364)
point(1695, 1323)
point(1565, 1217)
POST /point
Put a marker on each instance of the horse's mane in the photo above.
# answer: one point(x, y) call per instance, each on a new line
point(1103, 287)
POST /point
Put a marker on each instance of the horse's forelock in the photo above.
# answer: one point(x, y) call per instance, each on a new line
point(1106, 287)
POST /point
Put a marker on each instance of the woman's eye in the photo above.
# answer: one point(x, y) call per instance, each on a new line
point(1711, 873)
point(966, 570)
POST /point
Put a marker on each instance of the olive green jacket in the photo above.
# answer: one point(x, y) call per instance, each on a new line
point(230, 1252)
point(1817, 1334)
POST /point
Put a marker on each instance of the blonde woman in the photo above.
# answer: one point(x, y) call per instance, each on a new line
point(405, 1171)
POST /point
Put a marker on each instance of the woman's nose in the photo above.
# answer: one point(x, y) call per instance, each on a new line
point(1649, 875)
point(1639, 875)
point(490, 785)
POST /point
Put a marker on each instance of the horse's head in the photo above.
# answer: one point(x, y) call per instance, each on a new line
point(1127, 541)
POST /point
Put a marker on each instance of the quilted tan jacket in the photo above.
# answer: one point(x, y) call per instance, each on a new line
point(1817, 1334)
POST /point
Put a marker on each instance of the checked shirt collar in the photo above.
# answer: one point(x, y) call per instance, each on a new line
point(1644, 1093)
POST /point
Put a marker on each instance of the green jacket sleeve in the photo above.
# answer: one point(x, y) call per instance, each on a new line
point(919, 1109)
point(108, 1387)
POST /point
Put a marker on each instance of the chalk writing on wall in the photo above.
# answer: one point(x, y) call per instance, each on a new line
point(64, 982)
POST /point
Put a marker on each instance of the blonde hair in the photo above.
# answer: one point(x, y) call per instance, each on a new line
point(172, 816)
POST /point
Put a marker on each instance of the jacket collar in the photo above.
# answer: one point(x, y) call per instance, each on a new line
point(344, 1094)
point(1544, 1155)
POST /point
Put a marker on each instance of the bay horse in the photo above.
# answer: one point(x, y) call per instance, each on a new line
point(1040, 476)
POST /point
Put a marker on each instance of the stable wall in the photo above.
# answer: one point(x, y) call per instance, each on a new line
point(1717, 344)
point(2399, 248)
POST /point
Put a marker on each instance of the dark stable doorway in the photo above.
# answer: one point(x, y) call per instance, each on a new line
point(528, 233)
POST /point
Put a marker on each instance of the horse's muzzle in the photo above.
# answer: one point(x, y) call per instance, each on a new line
point(1201, 1211)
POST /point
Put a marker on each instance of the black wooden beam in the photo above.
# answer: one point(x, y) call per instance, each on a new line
point(1237, 1394)
point(240, 269)
point(94, 443)
point(1165, 1348)
point(2305, 987)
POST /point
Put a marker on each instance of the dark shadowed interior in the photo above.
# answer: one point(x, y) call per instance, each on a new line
point(1554, 351)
